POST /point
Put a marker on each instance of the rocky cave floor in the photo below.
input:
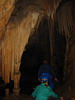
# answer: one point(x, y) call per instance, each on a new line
point(66, 90)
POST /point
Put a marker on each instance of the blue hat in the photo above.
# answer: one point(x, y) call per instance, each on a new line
point(44, 76)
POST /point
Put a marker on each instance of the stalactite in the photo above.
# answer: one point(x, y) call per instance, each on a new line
point(49, 6)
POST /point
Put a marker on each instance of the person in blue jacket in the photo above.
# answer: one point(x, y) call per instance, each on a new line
point(43, 91)
point(46, 70)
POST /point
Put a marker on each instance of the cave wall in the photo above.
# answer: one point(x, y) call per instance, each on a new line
point(15, 30)
point(6, 8)
point(66, 23)
point(14, 43)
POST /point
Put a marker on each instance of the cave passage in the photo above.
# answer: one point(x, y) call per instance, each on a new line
point(37, 49)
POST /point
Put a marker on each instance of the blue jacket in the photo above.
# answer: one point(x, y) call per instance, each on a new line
point(43, 92)
point(45, 68)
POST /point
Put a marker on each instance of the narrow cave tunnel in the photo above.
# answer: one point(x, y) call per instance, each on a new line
point(38, 49)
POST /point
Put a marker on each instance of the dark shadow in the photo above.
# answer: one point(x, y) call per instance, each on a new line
point(60, 55)
point(38, 49)
point(35, 51)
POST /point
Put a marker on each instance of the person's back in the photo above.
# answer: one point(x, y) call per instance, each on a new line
point(46, 70)
point(43, 92)
point(40, 92)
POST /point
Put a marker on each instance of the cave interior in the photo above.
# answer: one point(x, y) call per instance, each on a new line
point(38, 49)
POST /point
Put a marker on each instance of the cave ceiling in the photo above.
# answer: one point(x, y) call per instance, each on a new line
point(9, 9)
